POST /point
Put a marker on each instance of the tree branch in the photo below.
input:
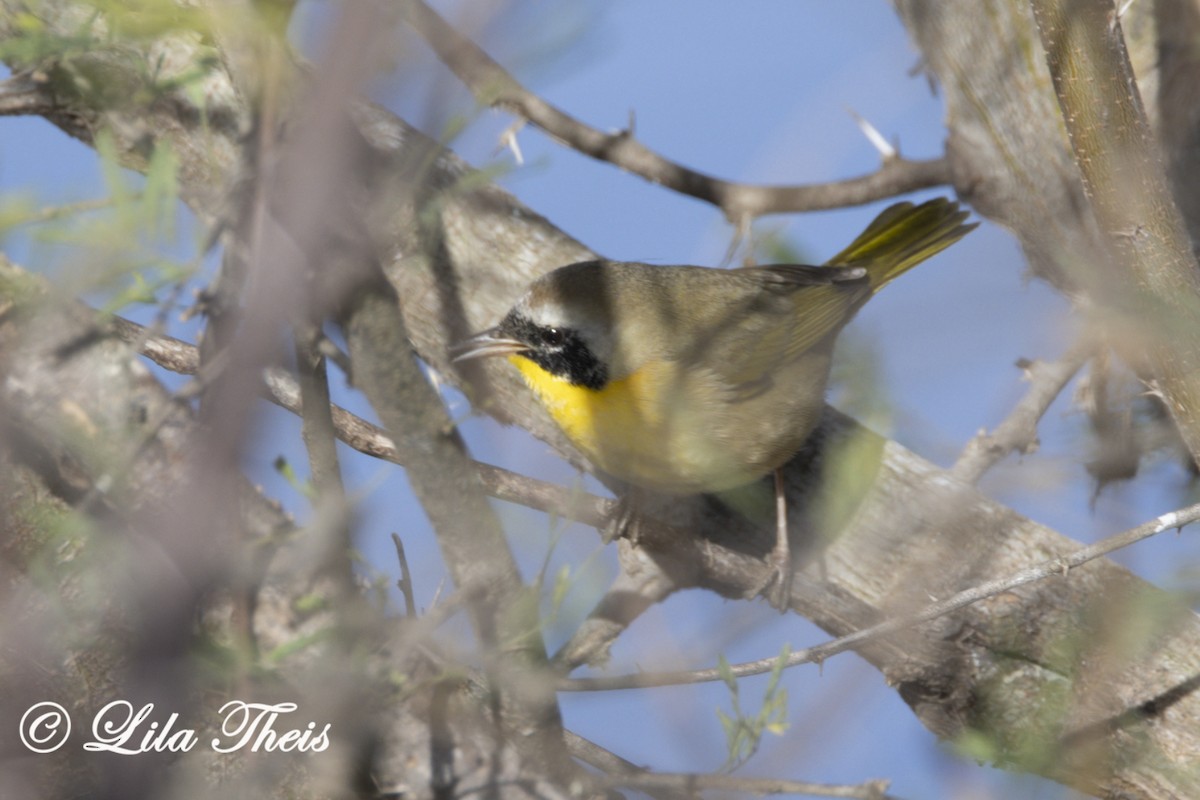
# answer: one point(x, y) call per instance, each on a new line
point(641, 583)
point(282, 389)
point(1153, 277)
point(492, 85)
point(1053, 567)
point(23, 94)
point(693, 782)
point(1018, 432)
point(609, 762)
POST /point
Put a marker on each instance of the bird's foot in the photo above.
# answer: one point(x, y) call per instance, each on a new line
point(776, 583)
point(623, 522)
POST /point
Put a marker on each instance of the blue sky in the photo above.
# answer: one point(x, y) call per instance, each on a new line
point(756, 92)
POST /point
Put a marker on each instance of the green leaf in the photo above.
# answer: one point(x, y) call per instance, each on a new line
point(726, 673)
point(774, 718)
point(777, 669)
point(285, 469)
point(562, 584)
point(727, 724)
point(160, 198)
point(110, 168)
point(298, 644)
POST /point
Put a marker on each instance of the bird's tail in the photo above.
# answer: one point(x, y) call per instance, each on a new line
point(902, 236)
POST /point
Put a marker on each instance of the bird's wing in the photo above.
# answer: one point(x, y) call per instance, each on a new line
point(803, 305)
point(793, 308)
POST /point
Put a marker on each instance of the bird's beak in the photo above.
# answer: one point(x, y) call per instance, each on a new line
point(485, 345)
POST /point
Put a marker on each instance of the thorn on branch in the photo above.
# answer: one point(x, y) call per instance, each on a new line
point(887, 150)
point(508, 139)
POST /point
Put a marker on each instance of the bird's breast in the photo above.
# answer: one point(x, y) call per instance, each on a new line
point(650, 428)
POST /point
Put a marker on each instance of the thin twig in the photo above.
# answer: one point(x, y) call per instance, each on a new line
point(325, 471)
point(317, 432)
point(405, 582)
point(282, 390)
point(692, 783)
point(492, 85)
point(441, 741)
point(632, 592)
point(51, 213)
point(1051, 567)
point(1018, 432)
point(614, 765)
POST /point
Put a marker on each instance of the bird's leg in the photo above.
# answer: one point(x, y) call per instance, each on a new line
point(624, 520)
point(779, 562)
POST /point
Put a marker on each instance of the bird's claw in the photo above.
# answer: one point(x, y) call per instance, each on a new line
point(776, 583)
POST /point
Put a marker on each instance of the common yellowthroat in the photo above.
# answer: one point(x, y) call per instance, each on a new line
point(685, 379)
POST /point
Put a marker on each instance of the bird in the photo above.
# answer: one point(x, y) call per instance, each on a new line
point(696, 380)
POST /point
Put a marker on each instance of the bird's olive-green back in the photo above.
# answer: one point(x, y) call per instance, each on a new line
point(742, 324)
point(902, 236)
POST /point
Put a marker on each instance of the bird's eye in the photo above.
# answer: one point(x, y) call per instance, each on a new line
point(553, 337)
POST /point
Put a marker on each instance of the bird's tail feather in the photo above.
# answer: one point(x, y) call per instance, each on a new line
point(902, 236)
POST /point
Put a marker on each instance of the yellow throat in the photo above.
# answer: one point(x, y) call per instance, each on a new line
point(623, 427)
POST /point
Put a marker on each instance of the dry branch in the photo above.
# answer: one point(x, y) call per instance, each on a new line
point(493, 85)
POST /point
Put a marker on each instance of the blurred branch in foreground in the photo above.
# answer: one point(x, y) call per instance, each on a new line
point(1150, 282)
